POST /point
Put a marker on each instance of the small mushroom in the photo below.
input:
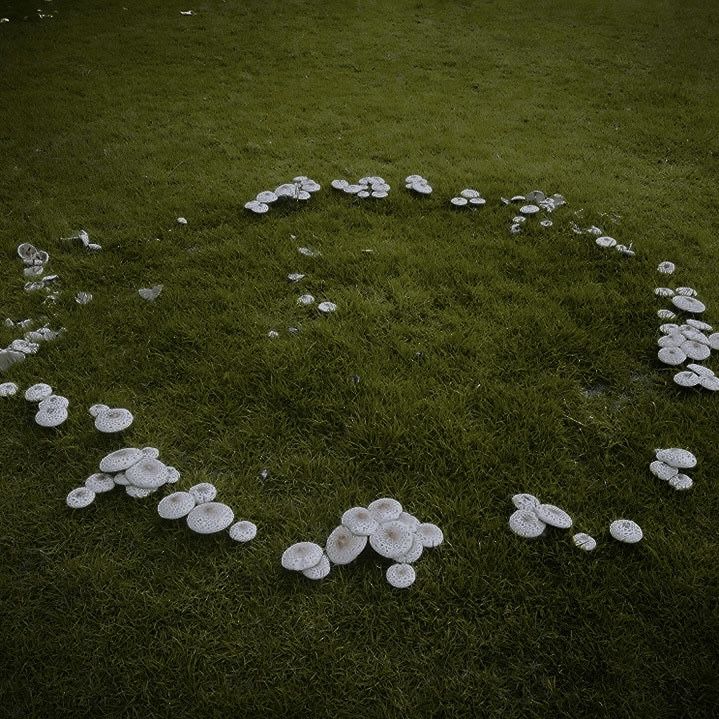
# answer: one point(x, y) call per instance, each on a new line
point(203, 492)
point(259, 208)
point(525, 501)
point(320, 570)
point(554, 516)
point(54, 400)
point(295, 276)
point(150, 452)
point(392, 539)
point(173, 475)
point(666, 315)
point(526, 524)
point(713, 340)
point(301, 556)
point(210, 517)
point(181, 220)
point(671, 355)
point(584, 541)
point(409, 519)
point(666, 268)
point(80, 497)
point(699, 324)
point(243, 531)
point(176, 505)
point(681, 482)
point(150, 293)
point(459, 201)
point(664, 292)
point(100, 482)
point(677, 457)
point(8, 389)
point(327, 308)
point(385, 509)
point(96, 409)
point(138, 492)
point(339, 184)
point(342, 546)
point(625, 530)
point(305, 300)
point(686, 291)
point(400, 576)
point(113, 420)
point(120, 460)
point(360, 521)
point(268, 197)
point(429, 534)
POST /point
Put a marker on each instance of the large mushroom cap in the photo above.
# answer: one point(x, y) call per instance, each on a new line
point(100, 482)
point(671, 355)
point(677, 457)
point(243, 531)
point(526, 524)
point(385, 509)
point(400, 576)
point(662, 470)
point(584, 541)
point(681, 482)
point(176, 505)
point(120, 460)
point(625, 530)
point(52, 416)
point(360, 521)
point(688, 304)
point(80, 497)
point(301, 556)
point(695, 350)
point(210, 517)
point(38, 392)
point(429, 534)
point(342, 546)
point(392, 539)
point(320, 570)
point(203, 492)
point(554, 516)
point(147, 473)
point(525, 501)
point(113, 420)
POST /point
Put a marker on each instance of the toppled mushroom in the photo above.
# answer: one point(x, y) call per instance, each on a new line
point(554, 516)
point(584, 541)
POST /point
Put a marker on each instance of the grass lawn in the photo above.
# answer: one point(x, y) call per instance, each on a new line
point(489, 364)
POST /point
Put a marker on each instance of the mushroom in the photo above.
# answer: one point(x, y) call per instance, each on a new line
point(554, 516)
point(339, 184)
point(320, 570)
point(669, 328)
point(176, 505)
point(400, 576)
point(676, 339)
point(243, 531)
point(38, 392)
point(80, 497)
point(392, 539)
point(677, 457)
point(606, 241)
point(54, 400)
point(699, 324)
point(96, 409)
point(701, 370)
point(8, 389)
point(326, 307)
point(181, 220)
point(688, 304)
point(429, 534)
point(664, 292)
point(695, 350)
point(671, 355)
point(210, 517)
point(385, 509)
point(113, 420)
point(100, 482)
point(584, 541)
point(409, 519)
point(259, 208)
point(120, 479)
point(526, 523)
point(150, 452)
point(459, 201)
point(360, 521)
point(343, 547)
point(27, 348)
point(666, 268)
point(413, 553)
point(147, 473)
point(625, 530)
point(665, 315)
point(687, 291)
point(203, 492)
point(51, 416)
point(681, 482)
point(713, 340)
point(173, 475)
point(305, 300)
point(120, 460)
point(662, 470)
point(301, 556)
point(525, 501)
point(710, 383)
point(268, 197)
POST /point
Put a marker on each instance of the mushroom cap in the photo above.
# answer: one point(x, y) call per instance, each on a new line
point(301, 556)
point(96, 409)
point(259, 208)
point(320, 570)
point(662, 470)
point(410, 179)
point(54, 400)
point(429, 534)
point(360, 521)
point(713, 341)
point(666, 268)
point(459, 201)
point(469, 193)
point(342, 546)
point(113, 420)
point(120, 479)
point(625, 530)
point(27, 348)
point(688, 304)
point(400, 576)
point(339, 184)
point(479, 201)
point(664, 292)
point(677, 457)
point(120, 460)
point(305, 300)
point(203, 492)
point(150, 293)
point(701, 370)
point(710, 383)
point(148, 473)
point(52, 416)
point(554, 516)
point(687, 291)
point(584, 541)
point(181, 221)
point(80, 497)
point(413, 553)
point(669, 328)
point(698, 324)
point(606, 241)
point(526, 523)
point(695, 350)
point(139, 492)
point(326, 307)
point(409, 519)
point(100, 482)
point(675, 339)
point(392, 539)
point(176, 505)
point(243, 531)
point(210, 517)
point(38, 392)
point(666, 315)
point(529, 209)
point(8, 389)
point(681, 482)
point(671, 355)
point(173, 475)
point(267, 196)
point(363, 194)
point(385, 509)
point(525, 501)
point(694, 335)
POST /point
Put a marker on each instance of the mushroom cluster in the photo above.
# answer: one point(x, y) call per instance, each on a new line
point(370, 186)
point(667, 464)
point(531, 518)
point(84, 238)
point(139, 471)
point(531, 205)
point(301, 188)
point(109, 420)
point(51, 408)
point(418, 184)
point(385, 526)
point(29, 344)
point(468, 198)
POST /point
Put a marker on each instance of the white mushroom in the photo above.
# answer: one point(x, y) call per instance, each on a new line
point(147, 473)
point(392, 539)
point(695, 350)
point(150, 452)
point(120, 479)
point(97, 409)
point(181, 221)
point(80, 497)
point(138, 492)
point(554, 516)
point(400, 576)
point(671, 355)
point(27, 348)
point(38, 392)
point(176, 505)
point(662, 470)
point(713, 340)
point(210, 517)
point(429, 534)
point(710, 383)
point(360, 521)
point(268, 197)
point(470, 193)
point(305, 300)
point(301, 556)
point(669, 328)
point(666, 315)
point(8, 389)
point(100, 482)
point(625, 530)
point(52, 416)
point(676, 339)
point(243, 531)
point(173, 475)
point(203, 492)
point(699, 325)
point(526, 523)
point(664, 292)
point(681, 482)
point(342, 546)
point(584, 541)
point(113, 420)
point(409, 519)
point(339, 184)
point(320, 570)
point(525, 501)
point(606, 241)
point(259, 208)
point(385, 509)
point(701, 370)
point(666, 268)
point(54, 400)
point(413, 553)
point(120, 460)
point(326, 307)
point(677, 457)
point(688, 304)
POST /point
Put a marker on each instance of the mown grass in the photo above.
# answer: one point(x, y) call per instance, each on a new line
point(488, 364)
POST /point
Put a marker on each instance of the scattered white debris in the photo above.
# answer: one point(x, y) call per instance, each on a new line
point(181, 220)
point(83, 298)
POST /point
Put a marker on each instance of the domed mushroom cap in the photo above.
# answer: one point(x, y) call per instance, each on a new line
point(385, 509)
point(695, 350)
point(584, 541)
point(80, 497)
point(666, 268)
point(677, 457)
point(210, 517)
point(243, 531)
point(320, 570)
point(173, 475)
point(203, 492)
point(400, 576)
point(688, 304)
point(529, 209)
point(301, 556)
point(96, 409)
point(554, 516)
point(526, 523)
point(113, 420)
point(525, 501)
point(413, 553)
point(662, 470)
point(8, 389)
point(606, 241)
point(342, 546)
point(38, 392)
point(360, 521)
point(409, 519)
point(54, 400)
point(147, 473)
point(666, 315)
point(139, 492)
point(52, 416)
point(392, 539)
point(671, 355)
point(100, 482)
point(176, 505)
point(120, 460)
point(429, 534)
point(625, 530)
point(681, 482)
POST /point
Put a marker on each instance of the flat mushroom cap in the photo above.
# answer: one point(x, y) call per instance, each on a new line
point(320, 570)
point(52, 416)
point(392, 539)
point(360, 521)
point(176, 505)
point(400, 576)
point(681, 482)
point(243, 531)
point(606, 241)
point(210, 517)
point(526, 523)
point(662, 470)
point(584, 541)
point(120, 460)
point(114, 420)
point(147, 473)
point(80, 497)
point(8, 389)
point(554, 516)
point(97, 409)
point(301, 556)
point(413, 553)
point(203, 492)
point(677, 457)
point(385, 509)
point(687, 379)
point(429, 534)
point(525, 501)
point(688, 304)
point(38, 392)
point(671, 355)
point(625, 530)
point(342, 546)
point(100, 482)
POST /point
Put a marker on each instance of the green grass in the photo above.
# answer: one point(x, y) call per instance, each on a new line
point(120, 116)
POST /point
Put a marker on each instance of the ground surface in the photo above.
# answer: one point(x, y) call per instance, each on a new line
point(537, 369)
